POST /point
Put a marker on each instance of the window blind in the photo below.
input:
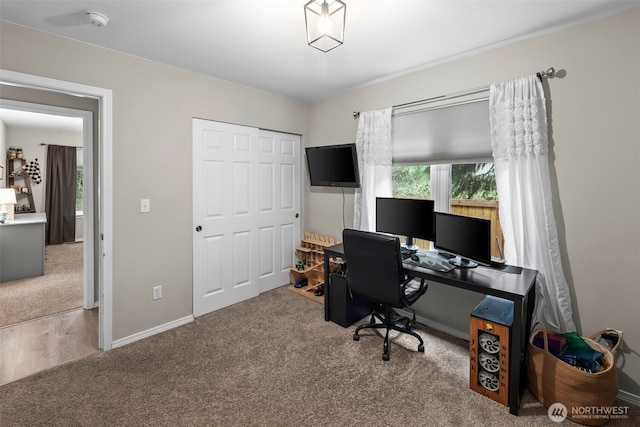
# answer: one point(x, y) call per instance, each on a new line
point(446, 134)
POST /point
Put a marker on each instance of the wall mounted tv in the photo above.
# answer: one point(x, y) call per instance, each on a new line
point(333, 166)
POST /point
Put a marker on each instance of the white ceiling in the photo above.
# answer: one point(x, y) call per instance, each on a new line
point(42, 121)
point(262, 44)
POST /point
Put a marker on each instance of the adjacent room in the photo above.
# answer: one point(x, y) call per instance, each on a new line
point(249, 179)
point(43, 281)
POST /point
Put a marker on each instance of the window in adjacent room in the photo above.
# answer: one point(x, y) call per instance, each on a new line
point(79, 189)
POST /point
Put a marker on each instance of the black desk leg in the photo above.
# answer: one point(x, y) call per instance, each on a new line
point(326, 287)
point(516, 360)
point(530, 304)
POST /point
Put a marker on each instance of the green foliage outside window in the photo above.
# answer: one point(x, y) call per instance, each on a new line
point(475, 181)
point(411, 181)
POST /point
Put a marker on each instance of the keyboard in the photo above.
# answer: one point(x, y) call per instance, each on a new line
point(432, 261)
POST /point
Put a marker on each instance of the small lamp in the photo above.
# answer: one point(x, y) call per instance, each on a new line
point(7, 196)
point(325, 23)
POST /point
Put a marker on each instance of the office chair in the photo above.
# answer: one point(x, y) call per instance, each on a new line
point(375, 272)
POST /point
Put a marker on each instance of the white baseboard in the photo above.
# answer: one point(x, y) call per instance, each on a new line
point(152, 331)
point(437, 326)
point(629, 397)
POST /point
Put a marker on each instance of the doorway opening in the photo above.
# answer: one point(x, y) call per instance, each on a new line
point(103, 219)
point(28, 125)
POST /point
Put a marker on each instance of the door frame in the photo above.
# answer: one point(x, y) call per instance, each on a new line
point(105, 184)
point(89, 300)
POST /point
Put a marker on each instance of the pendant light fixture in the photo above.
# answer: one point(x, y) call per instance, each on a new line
point(325, 23)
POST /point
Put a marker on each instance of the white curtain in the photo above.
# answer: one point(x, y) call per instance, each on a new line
point(520, 145)
point(373, 142)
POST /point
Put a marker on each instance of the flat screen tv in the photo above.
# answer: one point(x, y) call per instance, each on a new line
point(468, 238)
point(412, 218)
point(333, 166)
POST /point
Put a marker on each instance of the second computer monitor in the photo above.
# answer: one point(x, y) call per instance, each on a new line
point(412, 218)
point(466, 237)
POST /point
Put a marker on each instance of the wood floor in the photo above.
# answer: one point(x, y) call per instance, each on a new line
point(40, 344)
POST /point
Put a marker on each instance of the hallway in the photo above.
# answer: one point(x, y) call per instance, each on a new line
point(40, 344)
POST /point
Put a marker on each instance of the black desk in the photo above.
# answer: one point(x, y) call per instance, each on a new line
point(517, 287)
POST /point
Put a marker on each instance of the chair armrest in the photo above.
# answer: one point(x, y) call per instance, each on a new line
point(410, 294)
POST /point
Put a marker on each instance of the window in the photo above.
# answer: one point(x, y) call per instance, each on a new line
point(467, 189)
point(79, 182)
point(79, 191)
point(469, 181)
point(474, 193)
point(442, 152)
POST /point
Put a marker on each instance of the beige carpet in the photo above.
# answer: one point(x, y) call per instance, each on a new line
point(268, 361)
point(60, 289)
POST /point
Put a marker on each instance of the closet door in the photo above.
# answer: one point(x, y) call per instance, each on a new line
point(278, 206)
point(242, 222)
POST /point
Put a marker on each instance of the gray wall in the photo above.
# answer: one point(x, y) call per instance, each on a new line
point(595, 164)
point(153, 107)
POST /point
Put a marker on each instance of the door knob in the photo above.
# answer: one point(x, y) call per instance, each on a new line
point(199, 228)
point(297, 215)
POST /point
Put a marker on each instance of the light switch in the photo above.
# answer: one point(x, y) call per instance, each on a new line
point(145, 205)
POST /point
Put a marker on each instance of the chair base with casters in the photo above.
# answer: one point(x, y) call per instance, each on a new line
point(389, 323)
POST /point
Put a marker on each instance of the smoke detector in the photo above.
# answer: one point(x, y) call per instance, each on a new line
point(96, 18)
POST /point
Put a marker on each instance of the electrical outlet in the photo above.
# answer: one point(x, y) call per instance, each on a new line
point(157, 292)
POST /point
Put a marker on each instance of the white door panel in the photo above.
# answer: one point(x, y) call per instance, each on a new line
point(245, 212)
point(290, 237)
point(279, 205)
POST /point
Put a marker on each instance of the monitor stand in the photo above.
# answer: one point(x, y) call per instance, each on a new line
point(410, 244)
point(463, 262)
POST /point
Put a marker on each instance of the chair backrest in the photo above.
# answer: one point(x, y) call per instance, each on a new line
point(374, 266)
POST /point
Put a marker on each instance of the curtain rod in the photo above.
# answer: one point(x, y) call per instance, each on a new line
point(74, 146)
point(550, 72)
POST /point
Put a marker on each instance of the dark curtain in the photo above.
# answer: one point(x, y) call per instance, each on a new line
point(60, 196)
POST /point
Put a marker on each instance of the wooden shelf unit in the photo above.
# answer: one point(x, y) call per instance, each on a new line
point(310, 266)
point(12, 165)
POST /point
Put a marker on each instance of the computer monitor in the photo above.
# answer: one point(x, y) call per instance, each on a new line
point(333, 166)
point(466, 237)
point(412, 218)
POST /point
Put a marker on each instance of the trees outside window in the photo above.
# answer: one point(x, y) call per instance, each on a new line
point(472, 191)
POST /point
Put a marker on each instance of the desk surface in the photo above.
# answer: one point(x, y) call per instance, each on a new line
point(488, 280)
point(27, 218)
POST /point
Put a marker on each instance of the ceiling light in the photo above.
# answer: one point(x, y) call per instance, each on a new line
point(325, 23)
point(96, 18)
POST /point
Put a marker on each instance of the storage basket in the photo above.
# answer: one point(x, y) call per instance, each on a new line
point(552, 380)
